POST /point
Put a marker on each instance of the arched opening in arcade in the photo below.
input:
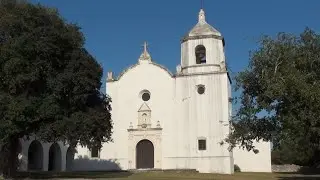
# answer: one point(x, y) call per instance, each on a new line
point(54, 158)
point(35, 156)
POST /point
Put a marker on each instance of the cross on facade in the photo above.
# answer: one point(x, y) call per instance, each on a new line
point(145, 54)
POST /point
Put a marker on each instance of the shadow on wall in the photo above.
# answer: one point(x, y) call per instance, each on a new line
point(86, 164)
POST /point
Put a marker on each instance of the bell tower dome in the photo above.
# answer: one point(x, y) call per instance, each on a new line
point(202, 48)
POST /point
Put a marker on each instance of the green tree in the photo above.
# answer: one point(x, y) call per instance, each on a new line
point(49, 82)
point(280, 96)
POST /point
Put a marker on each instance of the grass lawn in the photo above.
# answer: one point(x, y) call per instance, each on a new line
point(237, 176)
point(169, 176)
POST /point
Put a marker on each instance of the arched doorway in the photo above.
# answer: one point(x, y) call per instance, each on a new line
point(54, 158)
point(145, 155)
point(69, 158)
point(35, 156)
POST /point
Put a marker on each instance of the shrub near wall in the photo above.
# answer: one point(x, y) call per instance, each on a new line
point(237, 168)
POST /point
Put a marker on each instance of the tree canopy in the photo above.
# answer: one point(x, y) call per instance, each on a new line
point(50, 84)
point(280, 96)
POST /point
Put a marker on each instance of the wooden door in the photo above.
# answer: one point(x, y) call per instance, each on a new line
point(145, 155)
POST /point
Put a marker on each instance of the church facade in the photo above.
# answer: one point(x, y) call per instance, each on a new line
point(164, 120)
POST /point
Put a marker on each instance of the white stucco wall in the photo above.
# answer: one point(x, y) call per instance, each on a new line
point(84, 162)
point(202, 117)
point(248, 161)
point(125, 94)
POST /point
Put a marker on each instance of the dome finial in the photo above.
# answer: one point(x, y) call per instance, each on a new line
point(202, 28)
point(145, 47)
point(202, 16)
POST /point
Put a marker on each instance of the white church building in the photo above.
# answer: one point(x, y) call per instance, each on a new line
point(164, 120)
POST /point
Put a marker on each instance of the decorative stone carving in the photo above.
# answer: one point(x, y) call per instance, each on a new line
point(144, 116)
point(158, 138)
point(131, 126)
point(152, 134)
point(158, 124)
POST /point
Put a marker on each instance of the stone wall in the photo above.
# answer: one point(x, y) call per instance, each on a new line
point(286, 168)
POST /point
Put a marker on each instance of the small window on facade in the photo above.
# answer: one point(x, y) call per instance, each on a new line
point(145, 95)
point(94, 152)
point(201, 57)
point(202, 144)
point(201, 89)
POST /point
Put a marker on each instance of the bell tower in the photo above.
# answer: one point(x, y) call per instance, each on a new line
point(202, 49)
point(205, 93)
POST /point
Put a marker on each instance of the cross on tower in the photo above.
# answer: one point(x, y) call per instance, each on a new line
point(145, 47)
point(201, 4)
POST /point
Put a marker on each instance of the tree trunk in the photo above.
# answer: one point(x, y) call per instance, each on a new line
point(9, 157)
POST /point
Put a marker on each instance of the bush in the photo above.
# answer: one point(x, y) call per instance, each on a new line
point(237, 168)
